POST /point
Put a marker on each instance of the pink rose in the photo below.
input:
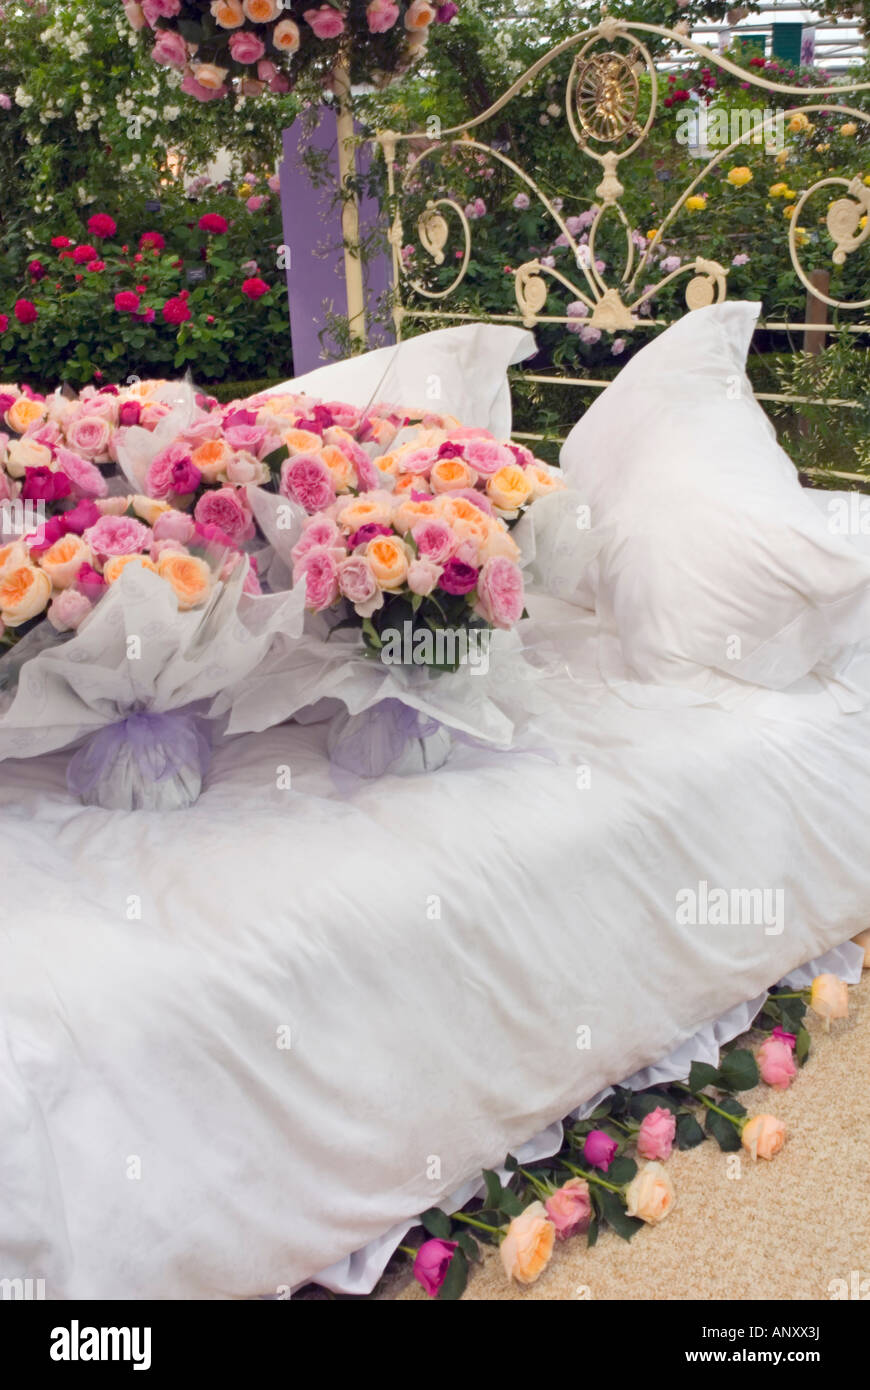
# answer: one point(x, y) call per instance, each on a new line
point(326, 22)
point(356, 580)
point(117, 535)
point(307, 480)
point(485, 457)
point(423, 576)
point(434, 540)
point(135, 14)
point(174, 526)
point(319, 533)
point(776, 1063)
point(570, 1208)
point(419, 462)
point(500, 593)
point(226, 509)
point(192, 88)
point(160, 9)
point(90, 435)
point(381, 16)
point(319, 571)
point(245, 47)
point(655, 1137)
point(169, 50)
point(165, 471)
point(86, 478)
point(67, 610)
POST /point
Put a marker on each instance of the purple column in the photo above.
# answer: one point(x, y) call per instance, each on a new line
point(312, 234)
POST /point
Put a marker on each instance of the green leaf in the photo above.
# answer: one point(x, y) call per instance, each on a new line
point(689, 1132)
point(511, 1164)
point(437, 1223)
point(469, 1245)
point(621, 1171)
point(615, 1215)
point(726, 1134)
point(802, 1046)
point(646, 1101)
point(592, 1232)
point(510, 1203)
point(739, 1071)
point(493, 1189)
point(372, 633)
point(455, 1279)
point(701, 1075)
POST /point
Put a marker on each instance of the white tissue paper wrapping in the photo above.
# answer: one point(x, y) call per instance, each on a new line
point(138, 654)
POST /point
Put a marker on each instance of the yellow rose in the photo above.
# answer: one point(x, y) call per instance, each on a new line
point(822, 149)
point(829, 998)
point(149, 508)
point(245, 190)
point(114, 568)
point(509, 488)
point(652, 233)
point(24, 413)
point(782, 157)
point(798, 122)
point(24, 592)
point(801, 236)
point(228, 13)
point(862, 222)
point(26, 453)
point(696, 203)
point(209, 75)
point(850, 128)
point(650, 1195)
point(763, 1136)
point(286, 36)
point(261, 11)
point(450, 475)
point(778, 190)
point(190, 577)
point(63, 560)
point(364, 511)
point(739, 175)
point(867, 180)
point(790, 193)
point(789, 211)
point(526, 1249)
point(389, 558)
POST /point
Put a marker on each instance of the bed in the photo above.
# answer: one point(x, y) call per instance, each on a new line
point(226, 1068)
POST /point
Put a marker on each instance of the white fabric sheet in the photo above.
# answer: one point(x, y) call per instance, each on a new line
point(430, 944)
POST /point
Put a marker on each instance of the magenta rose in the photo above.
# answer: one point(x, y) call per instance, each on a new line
point(319, 571)
point(599, 1149)
point(570, 1208)
point(500, 593)
point(367, 533)
point(50, 532)
point(84, 514)
point(245, 47)
point(307, 480)
point(458, 577)
point(522, 455)
point(655, 1138)
point(117, 535)
point(164, 472)
point(432, 1263)
point(90, 583)
point(434, 541)
point(129, 413)
point(86, 478)
point(41, 485)
point(226, 509)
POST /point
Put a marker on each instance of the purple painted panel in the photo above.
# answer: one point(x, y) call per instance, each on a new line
point(312, 233)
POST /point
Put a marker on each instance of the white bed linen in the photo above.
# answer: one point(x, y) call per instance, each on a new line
point(412, 1037)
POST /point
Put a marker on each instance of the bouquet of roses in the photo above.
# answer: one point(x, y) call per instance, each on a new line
point(273, 43)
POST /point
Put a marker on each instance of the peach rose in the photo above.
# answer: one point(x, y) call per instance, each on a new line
point(763, 1136)
point(389, 558)
point(863, 940)
point(451, 475)
point(368, 510)
point(650, 1195)
point(24, 414)
point(509, 488)
point(228, 13)
point(115, 566)
point(24, 592)
point(212, 458)
point(189, 576)
point(63, 560)
point(526, 1249)
point(11, 556)
point(420, 15)
point(209, 75)
point(829, 998)
point(340, 467)
point(408, 513)
point(300, 441)
point(286, 36)
point(544, 479)
point(261, 11)
point(498, 541)
point(149, 508)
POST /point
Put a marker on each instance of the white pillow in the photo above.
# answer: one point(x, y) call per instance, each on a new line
point(453, 371)
point(718, 568)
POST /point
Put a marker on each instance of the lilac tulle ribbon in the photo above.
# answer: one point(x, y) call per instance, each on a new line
point(378, 741)
point(155, 746)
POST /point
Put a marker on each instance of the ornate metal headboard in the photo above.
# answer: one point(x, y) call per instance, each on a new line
point(612, 97)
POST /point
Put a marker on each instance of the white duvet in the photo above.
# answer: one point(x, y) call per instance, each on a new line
point(239, 1042)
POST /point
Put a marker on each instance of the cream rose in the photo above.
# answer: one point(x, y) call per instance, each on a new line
point(526, 1249)
point(650, 1195)
point(63, 560)
point(829, 998)
point(149, 508)
point(763, 1136)
point(286, 36)
point(26, 453)
point(367, 510)
point(24, 592)
point(209, 75)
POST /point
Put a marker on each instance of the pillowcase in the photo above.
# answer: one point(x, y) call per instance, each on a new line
point(453, 371)
point(717, 568)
